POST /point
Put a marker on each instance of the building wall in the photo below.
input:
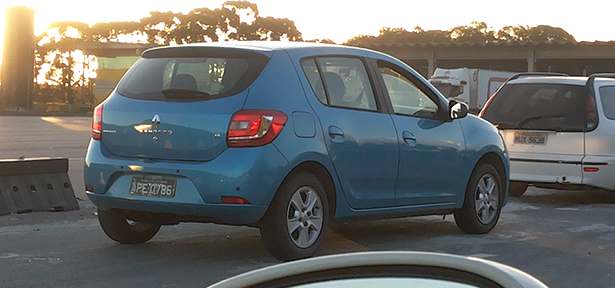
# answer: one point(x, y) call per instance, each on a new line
point(572, 58)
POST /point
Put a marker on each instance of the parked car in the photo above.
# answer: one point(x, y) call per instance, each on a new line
point(286, 137)
point(560, 130)
point(385, 269)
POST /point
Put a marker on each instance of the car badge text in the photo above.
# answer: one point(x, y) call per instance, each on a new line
point(152, 128)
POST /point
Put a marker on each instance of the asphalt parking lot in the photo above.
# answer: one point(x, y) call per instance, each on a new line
point(563, 238)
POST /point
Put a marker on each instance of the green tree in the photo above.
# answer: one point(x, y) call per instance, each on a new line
point(236, 20)
point(108, 32)
point(476, 32)
point(401, 35)
point(542, 33)
point(58, 46)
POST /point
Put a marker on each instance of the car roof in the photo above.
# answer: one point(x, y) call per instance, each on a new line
point(566, 80)
point(269, 46)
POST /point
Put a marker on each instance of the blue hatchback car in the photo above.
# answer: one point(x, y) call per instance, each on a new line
point(286, 137)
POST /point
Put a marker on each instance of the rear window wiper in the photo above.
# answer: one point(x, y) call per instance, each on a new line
point(184, 94)
point(506, 126)
point(528, 120)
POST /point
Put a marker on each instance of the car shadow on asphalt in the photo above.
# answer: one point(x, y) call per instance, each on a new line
point(565, 197)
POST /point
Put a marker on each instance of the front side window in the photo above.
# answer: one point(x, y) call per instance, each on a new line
point(537, 106)
point(406, 97)
point(340, 82)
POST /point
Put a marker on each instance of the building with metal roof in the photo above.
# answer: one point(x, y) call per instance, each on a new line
point(573, 58)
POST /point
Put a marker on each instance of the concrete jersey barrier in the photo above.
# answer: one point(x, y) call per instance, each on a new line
point(35, 184)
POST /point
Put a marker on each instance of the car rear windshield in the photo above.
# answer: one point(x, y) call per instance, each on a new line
point(534, 106)
point(190, 74)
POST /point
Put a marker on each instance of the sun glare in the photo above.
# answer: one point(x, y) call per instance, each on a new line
point(339, 20)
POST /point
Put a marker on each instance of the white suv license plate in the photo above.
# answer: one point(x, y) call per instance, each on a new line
point(153, 187)
point(530, 138)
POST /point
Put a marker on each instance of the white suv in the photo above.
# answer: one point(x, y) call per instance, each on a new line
point(560, 130)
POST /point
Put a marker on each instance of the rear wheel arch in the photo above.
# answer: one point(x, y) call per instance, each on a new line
point(295, 222)
point(323, 175)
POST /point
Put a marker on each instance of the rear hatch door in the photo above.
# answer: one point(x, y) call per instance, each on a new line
point(175, 103)
point(543, 125)
point(193, 131)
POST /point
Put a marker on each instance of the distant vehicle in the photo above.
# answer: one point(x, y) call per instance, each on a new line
point(471, 86)
point(385, 269)
point(560, 130)
point(285, 137)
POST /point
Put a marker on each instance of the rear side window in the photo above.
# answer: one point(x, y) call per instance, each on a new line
point(607, 95)
point(174, 76)
point(340, 82)
point(535, 106)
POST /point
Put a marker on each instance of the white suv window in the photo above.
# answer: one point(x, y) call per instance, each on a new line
point(539, 106)
point(607, 95)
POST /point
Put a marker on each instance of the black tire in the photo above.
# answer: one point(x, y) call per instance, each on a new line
point(125, 231)
point(483, 201)
point(517, 189)
point(297, 219)
point(612, 197)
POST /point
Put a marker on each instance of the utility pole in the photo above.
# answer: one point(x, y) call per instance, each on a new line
point(18, 60)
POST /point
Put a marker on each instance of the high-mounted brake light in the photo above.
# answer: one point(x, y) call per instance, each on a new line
point(251, 128)
point(97, 123)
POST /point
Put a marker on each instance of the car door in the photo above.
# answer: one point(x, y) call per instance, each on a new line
point(430, 146)
point(361, 140)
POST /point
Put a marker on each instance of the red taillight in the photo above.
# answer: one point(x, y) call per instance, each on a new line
point(250, 128)
point(97, 122)
point(591, 169)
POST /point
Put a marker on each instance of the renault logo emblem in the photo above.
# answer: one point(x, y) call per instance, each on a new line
point(156, 121)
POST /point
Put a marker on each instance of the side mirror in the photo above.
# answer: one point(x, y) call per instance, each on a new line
point(457, 110)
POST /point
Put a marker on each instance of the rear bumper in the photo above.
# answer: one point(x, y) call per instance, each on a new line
point(216, 213)
point(249, 173)
point(565, 172)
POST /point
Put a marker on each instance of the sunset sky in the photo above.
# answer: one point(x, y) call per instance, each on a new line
point(341, 20)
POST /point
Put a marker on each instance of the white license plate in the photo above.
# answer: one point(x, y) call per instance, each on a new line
point(530, 138)
point(153, 187)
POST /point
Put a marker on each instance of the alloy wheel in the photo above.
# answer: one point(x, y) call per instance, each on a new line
point(304, 217)
point(487, 199)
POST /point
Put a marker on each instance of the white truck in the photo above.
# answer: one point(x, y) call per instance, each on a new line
point(471, 86)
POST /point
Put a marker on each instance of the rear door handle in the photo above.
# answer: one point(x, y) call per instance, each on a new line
point(336, 134)
point(409, 138)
